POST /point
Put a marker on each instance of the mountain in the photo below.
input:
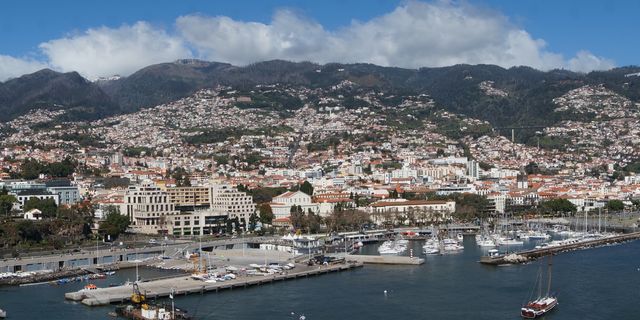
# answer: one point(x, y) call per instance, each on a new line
point(160, 83)
point(518, 96)
point(47, 89)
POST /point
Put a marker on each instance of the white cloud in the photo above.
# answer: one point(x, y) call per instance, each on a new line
point(416, 34)
point(11, 67)
point(108, 51)
point(585, 61)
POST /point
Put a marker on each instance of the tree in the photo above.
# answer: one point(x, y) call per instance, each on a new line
point(470, 206)
point(181, 176)
point(114, 223)
point(297, 217)
point(307, 188)
point(313, 222)
point(6, 204)
point(266, 214)
point(47, 206)
point(558, 206)
point(253, 221)
point(615, 205)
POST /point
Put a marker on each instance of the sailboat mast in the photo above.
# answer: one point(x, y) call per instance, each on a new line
point(540, 283)
point(549, 275)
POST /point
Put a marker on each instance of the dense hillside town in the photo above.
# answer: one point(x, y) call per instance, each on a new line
point(226, 159)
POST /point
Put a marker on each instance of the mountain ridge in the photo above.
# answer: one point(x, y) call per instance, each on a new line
point(526, 99)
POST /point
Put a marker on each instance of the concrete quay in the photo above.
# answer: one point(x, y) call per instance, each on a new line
point(184, 285)
point(529, 255)
point(55, 262)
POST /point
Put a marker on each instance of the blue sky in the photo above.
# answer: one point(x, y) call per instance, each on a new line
point(75, 35)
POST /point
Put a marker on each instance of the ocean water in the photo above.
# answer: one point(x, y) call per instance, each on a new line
point(599, 283)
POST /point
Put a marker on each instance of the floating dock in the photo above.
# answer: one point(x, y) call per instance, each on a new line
point(391, 259)
point(184, 285)
point(529, 255)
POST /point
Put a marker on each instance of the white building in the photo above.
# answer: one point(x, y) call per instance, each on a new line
point(422, 209)
point(236, 204)
point(473, 169)
point(148, 209)
point(281, 205)
point(33, 214)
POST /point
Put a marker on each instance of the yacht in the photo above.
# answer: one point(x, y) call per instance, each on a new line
point(539, 236)
point(431, 246)
point(509, 242)
point(451, 245)
point(390, 247)
point(485, 242)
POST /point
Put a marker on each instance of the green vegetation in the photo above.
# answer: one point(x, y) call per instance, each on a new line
point(114, 223)
point(266, 214)
point(31, 169)
point(307, 188)
point(469, 207)
point(48, 206)
point(72, 226)
point(615, 205)
point(137, 151)
point(262, 194)
point(181, 176)
point(6, 202)
point(271, 100)
point(558, 206)
point(551, 142)
point(84, 139)
point(324, 145)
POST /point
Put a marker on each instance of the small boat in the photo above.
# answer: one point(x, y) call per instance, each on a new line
point(90, 287)
point(3, 314)
point(544, 303)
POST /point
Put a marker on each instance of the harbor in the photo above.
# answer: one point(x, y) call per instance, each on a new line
point(356, 294)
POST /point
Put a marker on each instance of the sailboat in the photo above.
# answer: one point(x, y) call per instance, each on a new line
point(543, 304)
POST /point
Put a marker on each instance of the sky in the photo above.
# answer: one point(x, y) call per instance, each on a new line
point(104, 38)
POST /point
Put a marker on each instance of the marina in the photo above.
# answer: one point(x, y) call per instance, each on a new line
point(529, 255)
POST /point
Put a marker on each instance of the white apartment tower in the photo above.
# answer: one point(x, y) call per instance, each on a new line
point(148, 208)
point(473, 169)
point(236, 204)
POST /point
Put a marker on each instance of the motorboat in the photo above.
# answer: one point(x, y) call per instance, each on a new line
point(431, 246)
point(539, 236)
point(451, 245)
point(3, 314)
point(509, 242)
point(485, 242)
point(392, 247)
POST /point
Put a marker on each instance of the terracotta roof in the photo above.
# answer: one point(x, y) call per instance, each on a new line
point(408, 203)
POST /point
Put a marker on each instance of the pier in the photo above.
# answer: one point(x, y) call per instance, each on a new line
point(529, 255)
point(390, 259)
point(184, 285)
